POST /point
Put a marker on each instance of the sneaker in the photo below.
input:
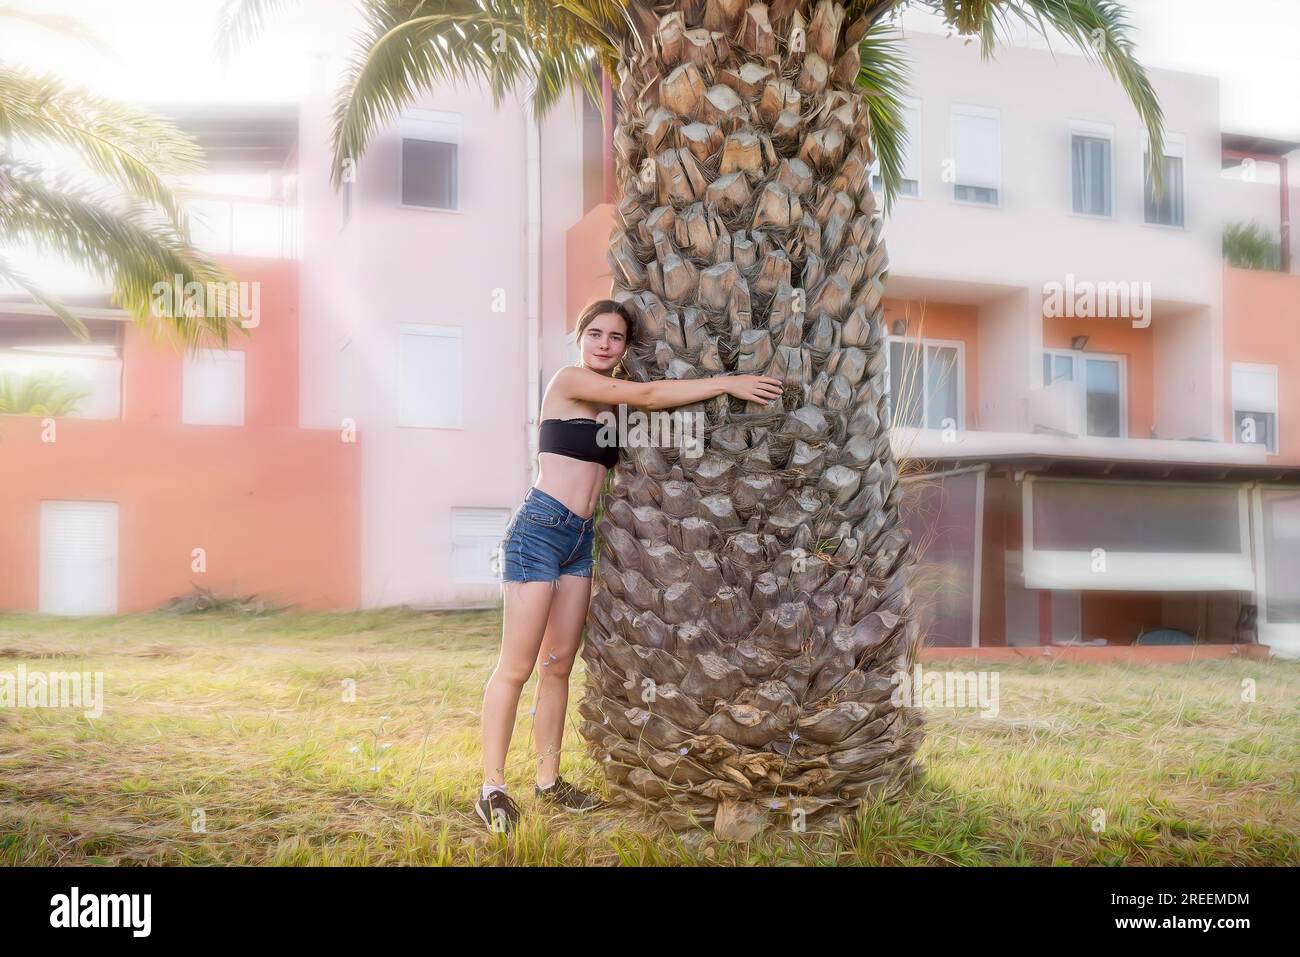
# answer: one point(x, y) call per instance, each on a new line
point(498, 812)
point(565, 795)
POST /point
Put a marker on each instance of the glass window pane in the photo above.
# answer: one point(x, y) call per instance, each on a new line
point(940, 515)
point(1282, 555)
point(906, 399)
point(1135, 517)
point(1102, 378)
point(1256, 428)
point(1169, 210)
point(1090, 171)
point(942, 379)
point(429, 174)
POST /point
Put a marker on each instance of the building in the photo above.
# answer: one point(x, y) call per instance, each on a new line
point(1083, 478)
point(427, 302)
point(177, 471)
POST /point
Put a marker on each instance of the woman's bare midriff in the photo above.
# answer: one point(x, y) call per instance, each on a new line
point(574, 482)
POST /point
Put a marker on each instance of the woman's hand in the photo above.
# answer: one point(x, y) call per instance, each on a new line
point(753, 388)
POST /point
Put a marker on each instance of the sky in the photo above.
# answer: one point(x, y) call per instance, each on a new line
point(163, 51)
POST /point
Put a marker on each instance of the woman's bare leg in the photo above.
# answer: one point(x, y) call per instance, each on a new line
point(555, 661)
point(526, 607)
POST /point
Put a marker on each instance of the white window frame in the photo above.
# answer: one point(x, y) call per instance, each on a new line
point(191, 360)
point(431, 126)
point(923, 344)
point(1257, 368)
point(1080, 384)
point(985, 112)
point(1175, 145)
point(428, 329)
point(1100, 131)
point(913, 160)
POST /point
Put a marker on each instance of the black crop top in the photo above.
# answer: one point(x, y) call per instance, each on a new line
point(576, 438)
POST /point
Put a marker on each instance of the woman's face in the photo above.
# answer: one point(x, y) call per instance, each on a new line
point(603, 342)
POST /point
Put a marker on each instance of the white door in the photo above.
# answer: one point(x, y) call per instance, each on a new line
point(79, 558)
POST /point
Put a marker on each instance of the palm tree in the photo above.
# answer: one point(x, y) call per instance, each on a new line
point(114, 216)
point(41, 393)
point(752, 606)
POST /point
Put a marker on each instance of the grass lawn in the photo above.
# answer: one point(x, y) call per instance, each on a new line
point(239, 724)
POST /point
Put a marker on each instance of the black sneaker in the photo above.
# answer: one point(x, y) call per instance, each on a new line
point(498, 812)
point(565, 795)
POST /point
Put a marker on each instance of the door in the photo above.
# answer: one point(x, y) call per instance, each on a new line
point(79, 558)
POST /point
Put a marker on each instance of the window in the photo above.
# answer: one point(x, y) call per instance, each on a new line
point(476, 535)
point(1169, 210)
point(1254, 404)
point(430, 170)
point(925, 383)
point(1128, 535)
point(245, 214)
point(213, 388)
point(1091, 171)
point(46, 370)
point(1095, 384)
point(1279, 525)
point(429, 376)
point(977, 155)
point(910, 185)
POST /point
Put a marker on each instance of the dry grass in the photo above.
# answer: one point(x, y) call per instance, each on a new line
point(243, 720)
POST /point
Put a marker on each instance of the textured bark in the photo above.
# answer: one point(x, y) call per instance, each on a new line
point(751, 604)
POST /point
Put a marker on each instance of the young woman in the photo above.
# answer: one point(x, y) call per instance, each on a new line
point(547, 548)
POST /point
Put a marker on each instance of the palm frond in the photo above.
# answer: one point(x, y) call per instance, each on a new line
point(14, 277)
point(883, 79)
point(241, 21)
point(40, 393)
point(129, 146)
point(131, 247)
point(1098, 28)
point(66, 26)
point(404, 49)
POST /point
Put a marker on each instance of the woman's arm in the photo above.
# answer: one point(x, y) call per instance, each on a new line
point(587, 386)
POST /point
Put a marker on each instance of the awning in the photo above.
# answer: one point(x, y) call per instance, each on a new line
point(1107, 535)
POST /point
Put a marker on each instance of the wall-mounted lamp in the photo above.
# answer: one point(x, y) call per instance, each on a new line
point(1078, 342)
point(899, 328)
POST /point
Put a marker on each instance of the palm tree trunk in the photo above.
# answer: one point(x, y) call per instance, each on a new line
point(752, 603)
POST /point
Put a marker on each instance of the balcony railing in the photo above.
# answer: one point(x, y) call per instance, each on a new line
point(244, 226)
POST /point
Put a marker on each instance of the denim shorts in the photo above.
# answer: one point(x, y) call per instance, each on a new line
point(545, 540)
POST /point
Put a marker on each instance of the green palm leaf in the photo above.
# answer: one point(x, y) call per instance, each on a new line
point(130, 246)
point(883, 79)
point(130, 147)
point(404, 50)
point(127, 228)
